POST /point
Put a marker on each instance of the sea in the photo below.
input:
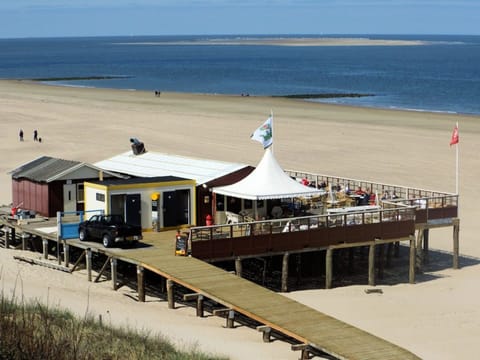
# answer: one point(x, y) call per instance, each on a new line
point(441, 76)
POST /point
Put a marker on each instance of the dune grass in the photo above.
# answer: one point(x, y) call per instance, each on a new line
point(35, 331)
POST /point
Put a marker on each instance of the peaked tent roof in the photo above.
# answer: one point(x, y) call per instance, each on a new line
point(267, 181)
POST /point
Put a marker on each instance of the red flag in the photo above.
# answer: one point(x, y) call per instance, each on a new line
point(454, 139)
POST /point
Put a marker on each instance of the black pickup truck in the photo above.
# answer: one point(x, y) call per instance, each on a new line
point(110, 229)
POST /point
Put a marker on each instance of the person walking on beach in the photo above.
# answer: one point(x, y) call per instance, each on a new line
point(20, 134)
point(35, 135)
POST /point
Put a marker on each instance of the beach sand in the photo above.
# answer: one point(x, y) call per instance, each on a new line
point(437, 318)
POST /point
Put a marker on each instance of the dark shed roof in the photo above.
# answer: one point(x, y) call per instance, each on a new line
point(43, 169)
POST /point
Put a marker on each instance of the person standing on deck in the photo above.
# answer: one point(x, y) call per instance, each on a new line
point(35, 135)
point(20, 134)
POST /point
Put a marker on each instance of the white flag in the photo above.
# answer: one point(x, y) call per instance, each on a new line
point(264, 133)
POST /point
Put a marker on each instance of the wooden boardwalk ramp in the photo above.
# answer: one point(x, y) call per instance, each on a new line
point(286, 316)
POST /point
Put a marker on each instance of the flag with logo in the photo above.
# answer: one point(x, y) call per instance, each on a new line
point(454, 139)
point(264, 133)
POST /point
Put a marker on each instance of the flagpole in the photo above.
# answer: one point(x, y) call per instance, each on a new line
point(271, 117)
point(456, 165)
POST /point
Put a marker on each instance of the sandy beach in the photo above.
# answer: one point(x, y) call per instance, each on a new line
point(436, 318)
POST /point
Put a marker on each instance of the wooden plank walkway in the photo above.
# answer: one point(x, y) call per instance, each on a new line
point(284, 315)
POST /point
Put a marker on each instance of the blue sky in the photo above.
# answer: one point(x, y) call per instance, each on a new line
point(44, 18)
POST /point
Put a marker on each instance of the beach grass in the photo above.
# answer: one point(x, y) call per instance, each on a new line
point(36, 331)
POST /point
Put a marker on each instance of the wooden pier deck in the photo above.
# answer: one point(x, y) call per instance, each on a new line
point(284, 315)
point(318, 332)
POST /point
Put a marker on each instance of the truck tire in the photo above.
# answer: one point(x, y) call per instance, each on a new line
point(107, 241)
point(82, 234)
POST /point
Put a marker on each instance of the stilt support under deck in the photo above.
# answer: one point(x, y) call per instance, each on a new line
point(285, 272)
point(456, 233)
point(371, 265)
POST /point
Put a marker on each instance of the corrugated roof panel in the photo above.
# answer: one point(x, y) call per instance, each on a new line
point(152, 164)
point(44, 168)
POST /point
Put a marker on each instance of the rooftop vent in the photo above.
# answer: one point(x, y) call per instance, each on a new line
point(137, 146)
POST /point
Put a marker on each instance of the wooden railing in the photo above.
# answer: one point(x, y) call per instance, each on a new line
point(307, 232)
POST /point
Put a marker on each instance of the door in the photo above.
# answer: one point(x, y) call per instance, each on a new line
point(133, 210)
point(170, 209)
point(69, 197)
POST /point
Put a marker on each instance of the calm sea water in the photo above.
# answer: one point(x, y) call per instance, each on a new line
point(442, 76)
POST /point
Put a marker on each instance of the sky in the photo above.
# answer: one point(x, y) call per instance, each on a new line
point(60, 18)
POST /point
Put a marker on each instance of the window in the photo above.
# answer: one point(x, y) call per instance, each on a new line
point(80, 193)
point(100, 197)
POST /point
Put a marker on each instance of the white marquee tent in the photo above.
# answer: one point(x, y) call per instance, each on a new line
point(267, 181)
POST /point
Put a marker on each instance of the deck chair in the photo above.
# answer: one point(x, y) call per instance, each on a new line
point(233, 218)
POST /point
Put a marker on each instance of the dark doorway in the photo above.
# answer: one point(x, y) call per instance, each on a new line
point(133, 212)
point(176, 208)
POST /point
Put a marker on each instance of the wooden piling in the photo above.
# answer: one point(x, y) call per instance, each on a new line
point(200, 306)
point(389, 255)
point(267, 331)
point(411, 273)
point(163, 285)
point(351, 261)
point(456, 243)
point(24, 242)
point(141, 283)
point(381, 261)
point(66, 253)
point(396, 249)
point(285, 272)
point(419, 251)
point(89, 264)
point(170, 294)
point(199, 299)
point(113, 266)
point(426, 233)
point(7, 238)
point(238, 266)
point(230, 319)
point(12, 236)
point(328, 268)
point(371, 265)
point(45, 248)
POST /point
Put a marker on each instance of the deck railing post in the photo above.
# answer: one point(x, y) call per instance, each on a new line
point(24, 242)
